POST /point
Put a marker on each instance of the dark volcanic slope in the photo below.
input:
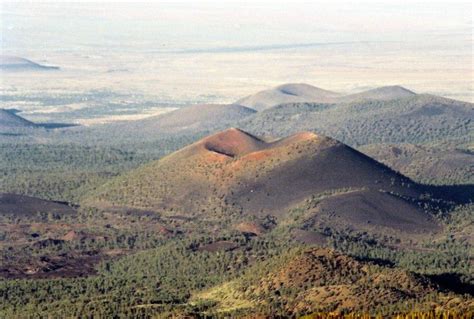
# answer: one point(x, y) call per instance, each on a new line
point(371, 210)
point(233, 172)
point(415, 119)
point(18, 205)
point(287, 93)
point(13, 63)
point(10, 120)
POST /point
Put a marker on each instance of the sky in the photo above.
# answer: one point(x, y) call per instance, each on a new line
point(193, 25)
point(219, 51)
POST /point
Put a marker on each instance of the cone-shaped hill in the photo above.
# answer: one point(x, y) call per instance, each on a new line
point(9, 119)
point(381, 93)
point(287, 93)
point(233, 172)
point(300, 92)
point(14, 63)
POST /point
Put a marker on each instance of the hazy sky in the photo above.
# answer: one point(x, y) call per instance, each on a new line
point(188, 25)
point(222, 50)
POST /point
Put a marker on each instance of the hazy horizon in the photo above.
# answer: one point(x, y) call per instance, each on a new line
point(181, 53)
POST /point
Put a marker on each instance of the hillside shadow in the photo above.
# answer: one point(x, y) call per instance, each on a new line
point(448, 281)
point(376, 261)
point(11, 134)
point(460, 194)
point(56, 125)
point(452, 282)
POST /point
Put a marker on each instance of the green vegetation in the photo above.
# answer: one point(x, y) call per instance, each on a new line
point(68, 171)
point(183, 255)
point(149, 282)
point(60, 172)
point(173, 275)
point(419, 119)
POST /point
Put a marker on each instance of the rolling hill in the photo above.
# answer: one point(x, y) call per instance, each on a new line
point(409, 118)
point(287, 93)
point(300, 92)
point(14, 63)
point(380, 93)
point(324, 281)
point(233, 174)
point(414, 119)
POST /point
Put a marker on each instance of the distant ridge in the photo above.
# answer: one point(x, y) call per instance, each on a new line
point(301, 92)
point(381, 93)
point(14, 63)
point(389, 114)
point(415, 119)
point(287, 93)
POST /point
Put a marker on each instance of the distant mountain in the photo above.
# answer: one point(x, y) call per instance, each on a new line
point(287, 93)
point(13, 63)
point(414, 119)
point(235, 174)
point(8, 119)
point(300, 92)
point(381, 93)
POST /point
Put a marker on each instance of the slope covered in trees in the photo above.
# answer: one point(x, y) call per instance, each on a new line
point(418, 119)
point(321, 280)
point(196, 223)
